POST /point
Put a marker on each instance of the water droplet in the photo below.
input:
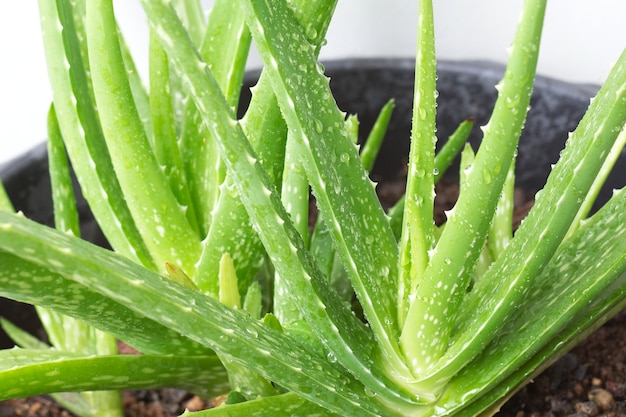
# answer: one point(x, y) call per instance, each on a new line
point(311, 32)
point(512, 101)
point(435, 171)
point(487, 176)
point(422, 113)
point(447, 261)
point(344, 157)
point(331, 357)
point(319, 126)
point(369, 392)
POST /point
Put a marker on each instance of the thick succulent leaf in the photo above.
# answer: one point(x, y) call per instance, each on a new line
point(503, 288)
point(157, 214)
point(81, 130)
point(348, 339)
point(441, 289)
point(224, 47)
point(343, 191)
point(27, 282)
point(591, 271)
point(5, 202)
point(229, 332)
point(283, 405)
point(164, 135)
point(417, 239)
point(374, 140)
point(193, 17)
point(267, 133)
point(25, 372)
point(21, 337)
point(443, 160)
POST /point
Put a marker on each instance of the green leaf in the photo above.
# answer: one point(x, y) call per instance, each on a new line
point(587, 288)
point(501, 291)
point(24, 281)
point(21, 337)
point(164, 138)
point(283, 405)
point(157, 214)
point(5, 202)
point(224, 47)
point(376, 136)
point(63, 199)
point(229, 332)
point(417, 239)
point(334, 170)
point(82, 134)
point(26, 372)
point(441, 289)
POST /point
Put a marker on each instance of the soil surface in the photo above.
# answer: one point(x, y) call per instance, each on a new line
point(588, 381)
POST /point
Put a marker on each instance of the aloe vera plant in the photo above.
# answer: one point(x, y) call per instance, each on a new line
point(207, 215)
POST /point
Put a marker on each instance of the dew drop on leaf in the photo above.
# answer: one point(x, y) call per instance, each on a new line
point(487, 176)
point(369, 392)
point(319, 126)
point(311, 32)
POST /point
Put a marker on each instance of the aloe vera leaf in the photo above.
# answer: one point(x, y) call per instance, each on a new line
point(283, 405)
point(27, 372)
point(321, 245)
point(202, 319)
point(66, 220)
point(589, 266)
point(65, 332)
point(444, 283)
point(416, 239)
point(5, 202)
point(443, 160)
point(452, 147)
point(223, 213)
point(335, 323)
point(376, 136)
point(70, 334)
point(242, 379)
point(63, 199)
point(21, 337)
point(590, 199)
point(266, 131)
point(334, 170)
point(165, 141)
point(74, 402)
point(192, 16)
point(142, 100)
point(157, 214)
point(501, 228)
point(503, 287)
point(224, 47)
point(295, 198)
point(23, 281)
point(82, 134)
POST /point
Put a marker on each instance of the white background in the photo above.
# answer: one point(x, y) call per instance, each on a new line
point(582, 38)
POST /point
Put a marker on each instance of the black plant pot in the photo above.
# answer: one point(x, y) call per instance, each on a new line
point(466, 89)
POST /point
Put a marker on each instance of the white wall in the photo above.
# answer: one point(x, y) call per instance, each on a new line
point(581, 40)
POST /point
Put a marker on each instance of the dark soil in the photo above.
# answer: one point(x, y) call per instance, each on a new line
point(588, 381)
